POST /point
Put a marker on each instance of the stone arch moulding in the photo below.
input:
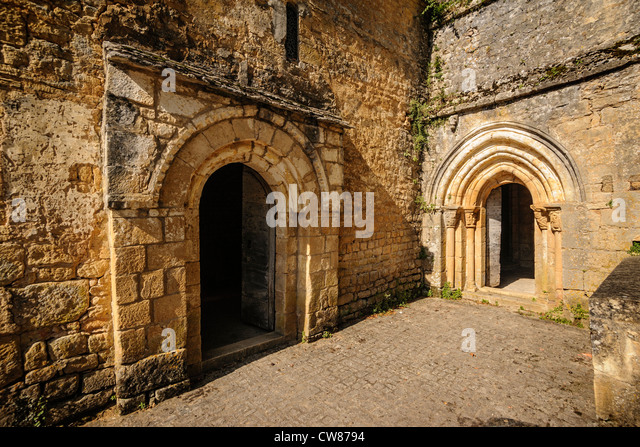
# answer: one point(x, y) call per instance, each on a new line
point(160, 149)
point(489, 157)
point(243, 124)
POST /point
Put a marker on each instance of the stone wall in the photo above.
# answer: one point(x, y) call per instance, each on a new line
point(55, 330)
point(357, 60)
point(569, 70)
point(615, 323)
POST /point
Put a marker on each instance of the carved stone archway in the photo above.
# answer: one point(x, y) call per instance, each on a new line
point(489, 157)
point(159, 153)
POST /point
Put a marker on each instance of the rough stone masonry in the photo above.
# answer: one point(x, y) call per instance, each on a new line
point(102, 170)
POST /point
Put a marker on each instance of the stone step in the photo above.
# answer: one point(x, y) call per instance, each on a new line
point(225, 355)
point(508, 299)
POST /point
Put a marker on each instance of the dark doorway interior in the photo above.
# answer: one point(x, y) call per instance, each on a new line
point(236, 259)
point(517, 237)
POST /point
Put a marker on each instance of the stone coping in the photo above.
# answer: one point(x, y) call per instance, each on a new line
point(134, 57)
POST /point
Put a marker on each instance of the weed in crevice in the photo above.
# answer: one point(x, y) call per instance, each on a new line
point(448, 293)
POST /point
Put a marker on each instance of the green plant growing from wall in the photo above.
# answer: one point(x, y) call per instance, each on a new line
point(634, 250)
point(450, 294)
point(439, 10)
point(556, 314)
point(424, 206)
point(580, 314)
point(37, 413)
point(552, 73)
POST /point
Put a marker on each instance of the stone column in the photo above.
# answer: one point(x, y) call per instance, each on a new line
point(556, 228)
point(450, 216)
point(481, 249)
point(470, 219)
point(542, 249)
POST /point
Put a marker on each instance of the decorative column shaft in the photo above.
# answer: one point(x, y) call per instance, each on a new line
point(542, 259)
point(450, 220)
point(556, 227)
point(471, 219)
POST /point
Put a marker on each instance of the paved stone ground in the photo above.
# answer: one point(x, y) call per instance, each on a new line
point(401, 369)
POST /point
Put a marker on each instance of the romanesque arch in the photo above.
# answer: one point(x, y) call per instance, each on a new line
point(280, 160)
point(487, 158)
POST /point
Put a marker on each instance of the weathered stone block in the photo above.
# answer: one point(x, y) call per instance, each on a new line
point(10, 361)
point(129, 405)
point(36, 356)
point(47, 304)
point(152, 284)
point(126, 289)
point(131, 85)
point(167, 255)
point(16, 403)
point(193, 273)
point(47, 254)
point(169, 391)
point(168, 308)
point(151, 373)
point(11, 263)
point(179, 105)
point(98, 342)
point(62, 387)
point(68, 346)
point(174, 229)
point(54, 274)
point(80, 363)
point(67, 410)
point(134, 315)
point(130, 149)
point(7, 326)
point(133, 344)
point(137, 231)
point(13, 28)
point(130, 260)
point(98, 380)
point(176, 280)
point(42, 374)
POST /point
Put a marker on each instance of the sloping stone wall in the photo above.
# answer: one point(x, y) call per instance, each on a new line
point(614, 310)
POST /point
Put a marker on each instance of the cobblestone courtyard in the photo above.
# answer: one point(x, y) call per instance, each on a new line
point(401, 369)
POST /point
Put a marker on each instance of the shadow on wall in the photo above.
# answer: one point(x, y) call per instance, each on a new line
point(388, 262)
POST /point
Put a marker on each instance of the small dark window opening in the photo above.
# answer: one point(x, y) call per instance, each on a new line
point(291, 43)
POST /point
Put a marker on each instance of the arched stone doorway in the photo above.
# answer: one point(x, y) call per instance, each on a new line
point(237, 266)
point(484, 161)
point(156, 168)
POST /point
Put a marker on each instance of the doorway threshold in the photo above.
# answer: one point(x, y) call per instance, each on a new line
point(224, 355)
point(508, 298)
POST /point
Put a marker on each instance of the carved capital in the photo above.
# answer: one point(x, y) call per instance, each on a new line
point(471, 217)
point(554, 218)
point(541, 215)
point(450, 217)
